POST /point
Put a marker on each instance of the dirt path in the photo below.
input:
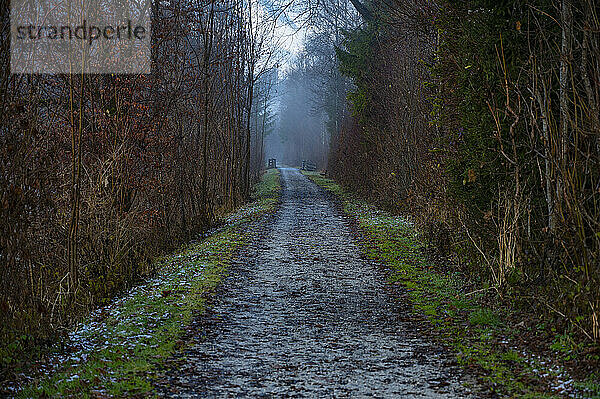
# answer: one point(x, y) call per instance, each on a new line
point(303, 314)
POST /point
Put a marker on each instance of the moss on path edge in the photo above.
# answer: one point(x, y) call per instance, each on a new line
point(476, 334)
point(118, 350)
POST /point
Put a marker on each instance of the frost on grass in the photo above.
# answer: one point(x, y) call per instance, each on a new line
point(393, 238)
point(116, 346)
point(129, 326)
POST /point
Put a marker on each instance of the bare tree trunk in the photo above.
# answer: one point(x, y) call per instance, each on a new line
point(76, 133)
point(543, 103)
point(565, 61)
point(207, 54)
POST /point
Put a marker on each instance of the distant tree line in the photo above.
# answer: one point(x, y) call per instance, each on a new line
point(312, 91)
point(481, 118)
point(301, 123)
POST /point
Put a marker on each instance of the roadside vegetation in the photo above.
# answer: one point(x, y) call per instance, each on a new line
point(118, 349)
point(102, 173)
point(480, 119)
point(486, 334)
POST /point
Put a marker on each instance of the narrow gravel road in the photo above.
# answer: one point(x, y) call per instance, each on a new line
point(303, 314)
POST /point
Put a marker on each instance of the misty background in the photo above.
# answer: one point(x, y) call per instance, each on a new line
point(301, 101)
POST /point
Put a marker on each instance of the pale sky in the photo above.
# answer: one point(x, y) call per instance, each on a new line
point(289, 36)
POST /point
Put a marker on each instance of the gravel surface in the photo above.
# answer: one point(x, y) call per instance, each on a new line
point(303, 314)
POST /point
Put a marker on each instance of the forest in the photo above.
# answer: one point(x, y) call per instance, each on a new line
point(478, 120)
point(483, 118)
point(100, 173)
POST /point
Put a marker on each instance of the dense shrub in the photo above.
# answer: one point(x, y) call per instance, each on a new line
point(481, 118)
point(100, 173)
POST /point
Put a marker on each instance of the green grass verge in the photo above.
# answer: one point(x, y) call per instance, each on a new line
point(122, 346)
point(473, 331)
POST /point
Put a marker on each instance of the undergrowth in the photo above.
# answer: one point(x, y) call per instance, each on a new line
point(118, 349)
point(475, 333)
